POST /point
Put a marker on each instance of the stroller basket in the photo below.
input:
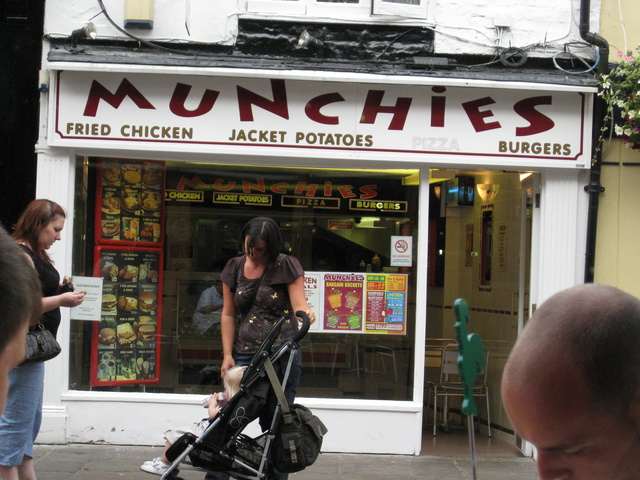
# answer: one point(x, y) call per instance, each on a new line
point(222, 447)
point(246, 451)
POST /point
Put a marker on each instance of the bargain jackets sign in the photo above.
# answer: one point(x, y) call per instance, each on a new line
point(306, 118)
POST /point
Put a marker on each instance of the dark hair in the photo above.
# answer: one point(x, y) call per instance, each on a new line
point(38, 214)
point(20, 290)
point(266, 229)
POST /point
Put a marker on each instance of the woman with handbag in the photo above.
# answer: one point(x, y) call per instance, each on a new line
point(36, 231)
point(258, 288)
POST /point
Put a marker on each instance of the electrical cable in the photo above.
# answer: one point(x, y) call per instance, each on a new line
point(568, 55)
point(138, 39)
point(393, 41)
point(513, 57)
point(624, 30)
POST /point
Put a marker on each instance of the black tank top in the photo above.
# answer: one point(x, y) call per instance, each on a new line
point(50, 281)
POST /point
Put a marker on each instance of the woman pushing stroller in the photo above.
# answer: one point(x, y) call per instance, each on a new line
point(258, 288)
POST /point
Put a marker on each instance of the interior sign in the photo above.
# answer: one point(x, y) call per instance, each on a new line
point(378, 205)
point(310, 202)
point(183, 196)
point(242, 199)
point(401, 251)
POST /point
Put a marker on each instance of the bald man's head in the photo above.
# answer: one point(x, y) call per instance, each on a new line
point(592, 328)
point(571, 385)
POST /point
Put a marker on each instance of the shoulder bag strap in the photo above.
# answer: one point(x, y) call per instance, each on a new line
point(267, 275)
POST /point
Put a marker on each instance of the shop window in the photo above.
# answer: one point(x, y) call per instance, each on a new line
point(159, 233)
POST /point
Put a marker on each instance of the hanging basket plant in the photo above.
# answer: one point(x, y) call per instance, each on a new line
point(620, 88)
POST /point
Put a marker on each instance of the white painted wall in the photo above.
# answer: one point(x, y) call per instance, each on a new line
point(546, 23)
point(209, 21)
point(542, 27)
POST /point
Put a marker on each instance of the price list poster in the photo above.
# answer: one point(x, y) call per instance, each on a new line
point(386, 303)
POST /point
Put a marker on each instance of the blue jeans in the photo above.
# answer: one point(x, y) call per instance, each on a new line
point(20, 422)
point(266, 419)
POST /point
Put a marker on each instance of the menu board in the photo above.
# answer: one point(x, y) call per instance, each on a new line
point(130, 202)
point(358, 302)
point(125, 344)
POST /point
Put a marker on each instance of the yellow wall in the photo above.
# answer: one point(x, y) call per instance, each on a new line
point(620, 19)
point(618, 239)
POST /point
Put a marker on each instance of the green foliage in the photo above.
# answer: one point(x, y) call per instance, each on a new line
point(621, 88)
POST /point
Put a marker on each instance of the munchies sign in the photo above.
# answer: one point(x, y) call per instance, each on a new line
point(301, 118)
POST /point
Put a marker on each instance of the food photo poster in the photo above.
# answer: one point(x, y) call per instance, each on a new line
point(130, 202)
point(125, 345)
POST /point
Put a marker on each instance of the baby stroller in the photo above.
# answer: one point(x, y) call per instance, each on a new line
point(222, 447)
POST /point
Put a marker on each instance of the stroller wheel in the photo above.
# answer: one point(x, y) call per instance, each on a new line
point(174, 475)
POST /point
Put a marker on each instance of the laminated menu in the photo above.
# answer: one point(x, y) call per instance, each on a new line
point(350, 302)
point(130, 202)
point(343, 306)
point(125, 345)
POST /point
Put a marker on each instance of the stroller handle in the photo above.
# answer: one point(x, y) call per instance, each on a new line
point(304, 328)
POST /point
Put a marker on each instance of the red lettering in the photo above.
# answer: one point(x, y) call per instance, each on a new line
point(438, 105)
point(346, 191)
point(180, 94)
point(279, 187)
point(248, 186)
point(477, 117)
point(219, 185)
point(98, 92)
point(312, 109)
point(183, 182)
point(373, 106)
point(538, 122)
point(368, 191)
point(310, 189)
point(277, 106)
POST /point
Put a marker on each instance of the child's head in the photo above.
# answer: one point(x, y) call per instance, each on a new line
point(232, 380)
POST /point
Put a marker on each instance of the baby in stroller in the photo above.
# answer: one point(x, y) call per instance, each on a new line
point(232, 379)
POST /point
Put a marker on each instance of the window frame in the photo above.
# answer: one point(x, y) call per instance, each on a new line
point(371, 11)
point(387, 7)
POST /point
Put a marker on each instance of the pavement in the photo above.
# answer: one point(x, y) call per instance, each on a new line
point(109, 462)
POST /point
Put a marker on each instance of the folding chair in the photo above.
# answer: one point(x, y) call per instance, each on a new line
point(449, 385)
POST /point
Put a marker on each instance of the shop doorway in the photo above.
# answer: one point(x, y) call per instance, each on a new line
point(481, 225)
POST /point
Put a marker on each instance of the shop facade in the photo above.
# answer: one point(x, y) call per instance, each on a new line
point(161, 167)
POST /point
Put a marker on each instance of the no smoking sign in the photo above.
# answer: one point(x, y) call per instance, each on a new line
point(401, 251)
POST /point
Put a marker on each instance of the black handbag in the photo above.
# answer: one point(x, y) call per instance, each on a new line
point(41, 345)
point(298, 439)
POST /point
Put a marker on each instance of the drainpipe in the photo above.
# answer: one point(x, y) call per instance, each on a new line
point(594, 188)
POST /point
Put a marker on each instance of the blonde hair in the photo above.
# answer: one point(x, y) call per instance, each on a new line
point(232, 379)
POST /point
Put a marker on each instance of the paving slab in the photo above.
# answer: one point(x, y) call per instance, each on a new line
point(109, 462)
